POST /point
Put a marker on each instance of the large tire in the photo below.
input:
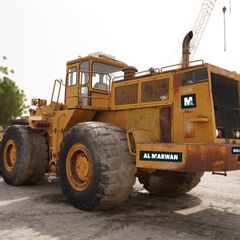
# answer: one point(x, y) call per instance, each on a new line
point(169, 183)
point(23, 156)
point(96, 169)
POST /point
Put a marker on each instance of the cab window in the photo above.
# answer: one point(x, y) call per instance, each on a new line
point(84, 72)
point(72, 76)
point(83, 80)
point(102, 75)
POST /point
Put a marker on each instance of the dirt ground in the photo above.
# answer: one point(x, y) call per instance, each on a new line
point(210, 211)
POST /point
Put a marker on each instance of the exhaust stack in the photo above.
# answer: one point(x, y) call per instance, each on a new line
point(186, 49)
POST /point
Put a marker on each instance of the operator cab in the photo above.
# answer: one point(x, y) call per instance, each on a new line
point(88, 81)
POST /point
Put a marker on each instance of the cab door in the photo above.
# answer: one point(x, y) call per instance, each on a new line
point(84, 81)
point(72, 86)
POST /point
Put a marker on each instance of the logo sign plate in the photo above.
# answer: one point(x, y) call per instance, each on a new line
point(189, 101)
point(160, 156)
point(236, 150)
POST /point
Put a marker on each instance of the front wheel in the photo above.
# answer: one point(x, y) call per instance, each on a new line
point(96, 169)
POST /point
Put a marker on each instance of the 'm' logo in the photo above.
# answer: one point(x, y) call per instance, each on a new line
point(189, 101)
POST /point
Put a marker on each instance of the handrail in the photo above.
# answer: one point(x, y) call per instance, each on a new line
point(150, 71)
point(59, 90)
point(89, 97)
point(91, 72)
point(180, 65)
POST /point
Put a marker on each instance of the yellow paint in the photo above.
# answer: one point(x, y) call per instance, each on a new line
point(79, 167)
point(10, 156)
point(192, 125)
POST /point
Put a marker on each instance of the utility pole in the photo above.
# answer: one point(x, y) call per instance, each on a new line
point(224, 25)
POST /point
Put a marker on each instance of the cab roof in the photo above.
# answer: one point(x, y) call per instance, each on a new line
point(101, 58)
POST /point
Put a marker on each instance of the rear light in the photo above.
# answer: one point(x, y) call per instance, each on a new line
point(237, 134)
point(219, 133)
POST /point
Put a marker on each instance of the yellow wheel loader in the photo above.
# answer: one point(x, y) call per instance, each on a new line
point(165, 126)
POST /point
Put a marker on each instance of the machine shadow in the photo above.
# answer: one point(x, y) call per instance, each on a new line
point(45, 211)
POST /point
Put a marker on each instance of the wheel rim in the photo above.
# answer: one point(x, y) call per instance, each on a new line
point(79, 167)
point(10, 155)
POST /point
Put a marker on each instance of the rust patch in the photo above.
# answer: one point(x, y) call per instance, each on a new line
point(177, 82)
point(196, 157)
point(165, 124)
point(211, 158)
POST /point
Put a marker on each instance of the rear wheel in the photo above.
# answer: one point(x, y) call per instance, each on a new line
point(169, 183)
point(95, 167)
point(23, 156)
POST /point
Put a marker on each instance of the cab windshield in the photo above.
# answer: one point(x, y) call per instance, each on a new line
point(102, 75)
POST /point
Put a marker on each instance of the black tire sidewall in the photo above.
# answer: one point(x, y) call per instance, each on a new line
point(171, 183)
point(91, 195)
point(22, 149)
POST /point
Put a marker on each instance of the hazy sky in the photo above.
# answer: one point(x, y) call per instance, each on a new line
point(39, 36)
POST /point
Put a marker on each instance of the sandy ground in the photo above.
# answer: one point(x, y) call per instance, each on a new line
point(210, 211)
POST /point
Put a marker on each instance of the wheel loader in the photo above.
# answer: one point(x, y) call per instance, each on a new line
point(164, 126)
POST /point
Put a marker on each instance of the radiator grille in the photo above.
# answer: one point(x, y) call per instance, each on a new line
point(126, 94)
point(226, 104)
point(153, 91)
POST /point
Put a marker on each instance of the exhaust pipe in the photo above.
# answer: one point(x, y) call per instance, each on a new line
point(186, 49)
